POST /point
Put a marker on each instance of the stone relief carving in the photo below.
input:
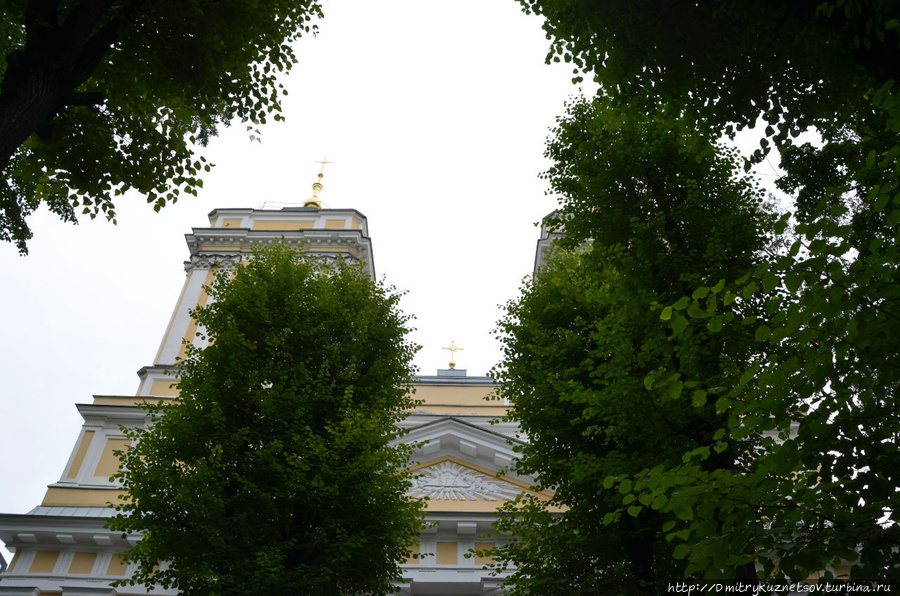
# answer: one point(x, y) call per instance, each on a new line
point(451, 481)
point(207, 261)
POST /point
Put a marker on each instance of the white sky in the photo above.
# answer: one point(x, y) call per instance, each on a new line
point(435, 116)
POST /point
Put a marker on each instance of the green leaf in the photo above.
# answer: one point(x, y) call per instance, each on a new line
point(894, 218)
point(769, 283)
point(675, 389)
point(698, 399)
point(666, 313)
point(684, 512)
point(792, 281)
point(762, 333)
point(679, 324)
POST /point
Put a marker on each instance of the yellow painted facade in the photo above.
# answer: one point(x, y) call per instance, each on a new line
point(282, 225)
point(459, 400)
point(79, 454)
point(109, 462)
point(117, 567)
point(82, 563)
point(414, 552)
point(58, 496)
point(127, 400)
point(177, 310)
point(165, 388)
point(44, 561)
point(447, 553)
point(484, 547)
point(191, 332)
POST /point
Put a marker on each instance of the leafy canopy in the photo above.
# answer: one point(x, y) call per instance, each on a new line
point(275, 470)
point(821, 389)
point(100, 97)
point(650, 211)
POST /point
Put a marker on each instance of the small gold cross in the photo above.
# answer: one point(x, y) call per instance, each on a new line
point(323, 162)
point(453, 348)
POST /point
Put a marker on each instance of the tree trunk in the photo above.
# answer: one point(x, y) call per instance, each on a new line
point(41, 78)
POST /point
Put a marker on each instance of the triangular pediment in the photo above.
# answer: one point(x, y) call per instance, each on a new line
point(451, 484)
point(460, 466)
point(468, 441)
point(451, 479)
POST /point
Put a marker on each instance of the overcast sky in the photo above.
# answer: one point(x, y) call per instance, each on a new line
point(435, 115)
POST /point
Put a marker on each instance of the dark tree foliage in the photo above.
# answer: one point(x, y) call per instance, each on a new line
point(822, 389)
point(99, 97)
point(275, 471)
point(596, 384)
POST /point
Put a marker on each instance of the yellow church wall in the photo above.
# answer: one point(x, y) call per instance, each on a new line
point(447, 553)
point(165, 387)
point(117, 566)
point(413, 558)
point(460, 400)
point(58, 496)
point(128, 400)
point(282, 225)
point(82, 563)
point(484, 547)
point(79, 454)
point(451, 394)
point(109, 462)
point(455, 410)
point(192, 326)
point(177, 310)
point(335, 224)
point(44, 561)
point(230, 223)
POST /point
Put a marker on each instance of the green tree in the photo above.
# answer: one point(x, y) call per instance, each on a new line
point(99, 97)
point(650, 211)
point(275, 471)
point(823, 388)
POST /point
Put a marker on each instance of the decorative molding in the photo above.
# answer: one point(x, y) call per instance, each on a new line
point(208, 261)
point(453, 482)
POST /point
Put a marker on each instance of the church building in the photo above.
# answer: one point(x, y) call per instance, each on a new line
point(62, 548)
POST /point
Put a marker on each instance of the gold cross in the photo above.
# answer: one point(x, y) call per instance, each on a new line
point(323, 162)
point(453, 348)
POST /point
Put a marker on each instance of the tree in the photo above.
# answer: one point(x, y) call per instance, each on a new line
point(822, 390)
point(596, 384)
point(275, 471)
point(99, 97)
